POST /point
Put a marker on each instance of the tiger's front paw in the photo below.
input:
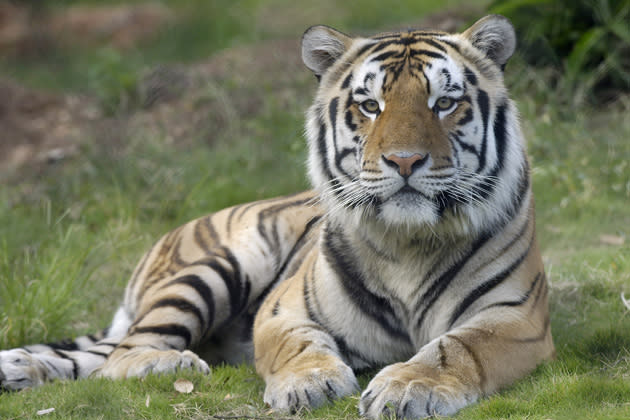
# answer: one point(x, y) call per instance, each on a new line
point(139, 362)
point(309, 386)
point(413, 391)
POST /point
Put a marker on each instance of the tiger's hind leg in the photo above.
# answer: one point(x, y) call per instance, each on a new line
point(177, 314)
point(203, 281)
point(36, 364)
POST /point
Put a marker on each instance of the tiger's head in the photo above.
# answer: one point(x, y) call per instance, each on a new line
point(415, 129)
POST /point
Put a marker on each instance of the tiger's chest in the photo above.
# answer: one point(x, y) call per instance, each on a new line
point(368, 297)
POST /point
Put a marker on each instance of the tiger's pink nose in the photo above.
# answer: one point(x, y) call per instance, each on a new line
point(405, 164)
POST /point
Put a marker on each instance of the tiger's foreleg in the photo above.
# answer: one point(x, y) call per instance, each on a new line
point(476, 359)
point(297, 358)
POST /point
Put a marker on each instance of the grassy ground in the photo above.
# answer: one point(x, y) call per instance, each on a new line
point(71, 233)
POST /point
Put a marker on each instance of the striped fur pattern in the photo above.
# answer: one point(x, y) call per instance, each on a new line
point(415, 252)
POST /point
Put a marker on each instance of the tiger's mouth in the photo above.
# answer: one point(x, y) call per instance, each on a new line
point(407, 189)
point(409, 193)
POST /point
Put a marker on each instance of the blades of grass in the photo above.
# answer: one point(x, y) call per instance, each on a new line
point(39, 290)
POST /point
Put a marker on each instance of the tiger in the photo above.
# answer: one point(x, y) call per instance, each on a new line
point(414, 255)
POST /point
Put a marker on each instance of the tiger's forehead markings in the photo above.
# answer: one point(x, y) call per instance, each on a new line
point(426, 55)
point(380, 42)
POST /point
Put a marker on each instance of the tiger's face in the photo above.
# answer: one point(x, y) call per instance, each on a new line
point(410, 129)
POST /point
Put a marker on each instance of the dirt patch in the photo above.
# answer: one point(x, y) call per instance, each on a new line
point(179, 104)
point(39, 127)
point(182, 104)
point(24, 30)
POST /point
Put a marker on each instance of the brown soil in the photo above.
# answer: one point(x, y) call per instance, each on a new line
point(38, 128)
point(24, 31)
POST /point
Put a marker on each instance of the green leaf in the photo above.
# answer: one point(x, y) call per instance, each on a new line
point(583, 49)
point(622, 30)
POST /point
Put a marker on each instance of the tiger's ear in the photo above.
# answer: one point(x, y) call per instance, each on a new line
point(494, 35)
point(322, 46)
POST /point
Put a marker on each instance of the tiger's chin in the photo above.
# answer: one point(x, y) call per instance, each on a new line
point(408, 209)
point(417, 214)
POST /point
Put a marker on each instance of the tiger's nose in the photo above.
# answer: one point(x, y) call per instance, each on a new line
point(405, 163)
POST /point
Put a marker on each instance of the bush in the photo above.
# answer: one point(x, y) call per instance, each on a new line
point(586, 41)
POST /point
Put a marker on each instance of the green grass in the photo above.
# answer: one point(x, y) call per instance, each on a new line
point(71, 234)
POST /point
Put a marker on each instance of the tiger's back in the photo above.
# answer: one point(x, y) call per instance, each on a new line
point(415, 251)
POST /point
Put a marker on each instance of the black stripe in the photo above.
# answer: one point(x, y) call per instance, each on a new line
point(379, 46)
point(68, 345)
point(241, 286)
point(98, 353)
point(230, 217)
point(339, 155)
point(52, 366)
point(465, 146)
point(349, 121)
point(176, 256)
point(307, 300)
point(449, 43)
point(434, 44)
point(542, 292)
point(427, 82)
point(346, 82)
point(468, 117)
point(75, 366)
point(299, 243)
point(443, 363)
point(389, 54)
point(161, 264)
point(442, 283)
point(182, 305)
point(202, 289)
point(272, 238)
point(484, 189)
point(484, 107)
point(276, 308)
point(348, 114)
point(447, 76)
point(338, 253)
point(166, 329)
point(231, 283)
point(470, 76)
point(488, 285)
point(432, 54)
point(114, 344)
point(518, 302)
point(500, 134)
point(322, 148)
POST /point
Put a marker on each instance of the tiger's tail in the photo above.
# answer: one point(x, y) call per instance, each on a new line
point(33, 365)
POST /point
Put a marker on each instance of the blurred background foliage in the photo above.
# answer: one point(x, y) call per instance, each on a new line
point(586, 44)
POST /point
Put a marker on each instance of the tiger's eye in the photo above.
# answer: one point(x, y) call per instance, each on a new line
point(443, 103)
point(370, 106)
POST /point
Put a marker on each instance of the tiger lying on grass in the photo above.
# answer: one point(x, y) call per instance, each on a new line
point(416, 249)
